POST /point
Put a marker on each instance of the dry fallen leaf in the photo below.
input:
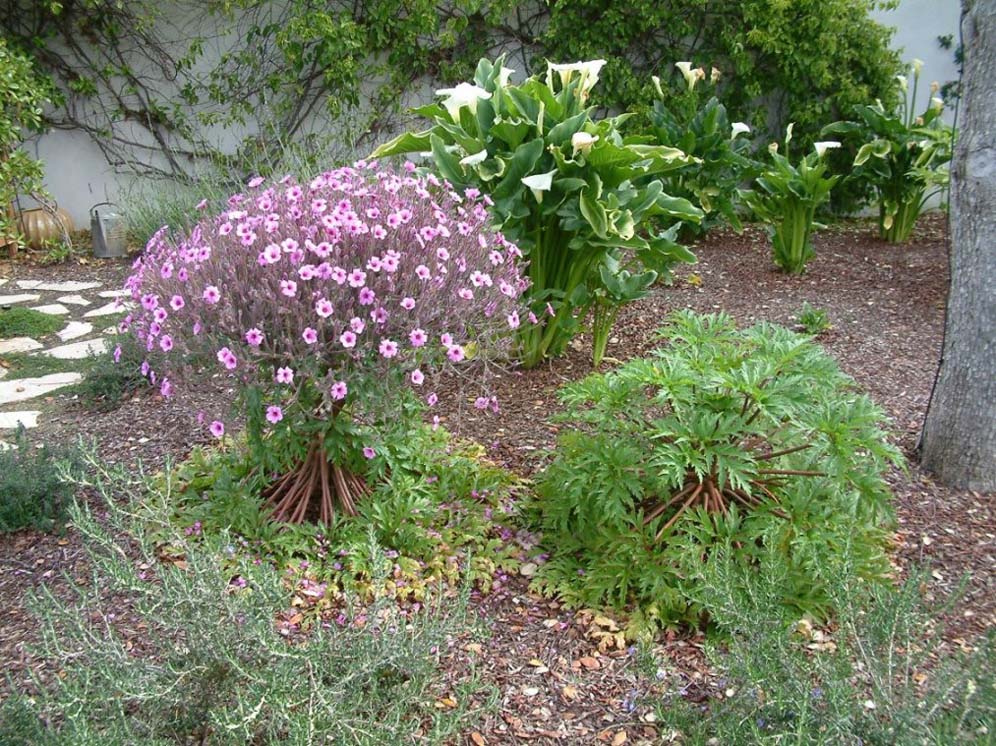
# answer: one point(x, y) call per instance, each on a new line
point(478, 739)
point(619, 739)
point(590, 663)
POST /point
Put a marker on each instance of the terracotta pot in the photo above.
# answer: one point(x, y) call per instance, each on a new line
point(38, 226)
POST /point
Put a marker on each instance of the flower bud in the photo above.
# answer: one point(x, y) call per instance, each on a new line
point(582, 142)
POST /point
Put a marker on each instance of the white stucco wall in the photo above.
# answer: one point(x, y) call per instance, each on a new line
point(78, 176)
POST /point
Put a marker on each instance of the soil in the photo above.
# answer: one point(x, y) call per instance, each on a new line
point(886, 307)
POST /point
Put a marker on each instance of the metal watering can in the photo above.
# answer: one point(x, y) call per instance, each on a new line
point(109, 232)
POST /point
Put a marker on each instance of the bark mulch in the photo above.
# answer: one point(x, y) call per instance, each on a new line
point(560, 677)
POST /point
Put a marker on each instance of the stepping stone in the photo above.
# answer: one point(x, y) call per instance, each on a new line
point(28, 284)
point(79, 350)
point(74, 300)
point(10, 420)
point(52, 309)
point(72, 286)
point(19, 344)
point(21, 389)
point(74, 330)
point(5, 446)
point(114, 293)
point(105, 310)
point(3, 372)
point(3, 282)
point(9, 300)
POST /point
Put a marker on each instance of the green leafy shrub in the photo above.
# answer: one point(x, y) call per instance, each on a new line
point(753, 437)
point(23, 93)
point(903, 155)
point(787, 198)
point(440, 508)
point(876, 676)
point(813, 321)
point(723, 162)
point(218, 658)
point(25, 322)
point(33, 494)
point(572, 193)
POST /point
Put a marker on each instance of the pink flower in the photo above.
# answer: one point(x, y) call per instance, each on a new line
point(481, 402)
point(284, 375)
point(324, 308)
point(356, 278)
point(417, 377)
point(309, 335)
point(254, 337)
point(388, 348)
point(513, 320)
point(166, 343)
point(348, 339)
point(369, 452)
point(338, 390)
point(254, 182)
point(431, 399)
point(455, 353)
point(160, 315)
point(176, 302)
point(367, 296)
point(422, 272)
point(418, 338)
point(227, 358)
point(201, 205)
point(117, 354)
point(446, 339)
point(466, 293)
point(357, 324)
point(274, 414)
point(166, 389)
point(288, 288)
point(217, 428)
point(408, 303)
point(149, 302)
point(211, 294)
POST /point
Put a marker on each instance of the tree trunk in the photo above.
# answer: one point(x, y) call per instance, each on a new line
point(958, 442)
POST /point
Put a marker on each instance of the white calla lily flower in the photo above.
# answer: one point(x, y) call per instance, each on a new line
point(474, 158)
point(582, 142)
point(738, 128)
point(917, 66)
point(823, 147)
point(937, 103)
point(463, 95)
point(589, 72)
point(503, 76)
point(903, 83)
point(657, 85)
point(788, 133)
point(686, 71)
point(539, 183)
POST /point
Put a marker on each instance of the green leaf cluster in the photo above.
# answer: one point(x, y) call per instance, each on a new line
point(723, 157)
point(902, 155)
point(762, 412)
point(575, 194)
point(787, 197)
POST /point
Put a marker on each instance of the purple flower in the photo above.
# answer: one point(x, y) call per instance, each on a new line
point(165, 344)
point(368, 452)
point(176, 302)
point(217, 428)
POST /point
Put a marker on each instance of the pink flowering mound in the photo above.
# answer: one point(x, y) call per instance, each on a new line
point(319, 301)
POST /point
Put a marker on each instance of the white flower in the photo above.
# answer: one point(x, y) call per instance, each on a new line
point(739, 128)
point(788, 133)
point(715, 76)
point(503, 75)
point(463, 95)
point(903, 84)
point(539, 183)
point(582, 142)
point(589, 74)
point(657, 85)
point(686, 70)
point(474, 158)
point(937, 103)
point(823, 147)
point(917, 66)
point(773, 148)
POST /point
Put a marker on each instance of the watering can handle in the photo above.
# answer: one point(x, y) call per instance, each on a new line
point(92, 209)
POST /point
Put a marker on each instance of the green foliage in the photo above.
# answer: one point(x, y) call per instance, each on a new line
point(723, 159)
point(750, 437)
point(23, 93)
point(441, 510)
point(902, 155)
point(573, 193)
point(106, 381)
point(216, 659)
point(813, 321)
point(25, 322)
point(787, 200)
point(27, 365)
point(816, 58)
point(33, 492)
point(876, 676)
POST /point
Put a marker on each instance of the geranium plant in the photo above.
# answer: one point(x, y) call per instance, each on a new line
point(322, 302)
point(787, 197)
point(903, 155)
point(572, 192)
point(721, 148)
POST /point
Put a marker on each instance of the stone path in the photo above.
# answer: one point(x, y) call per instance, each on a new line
point(75, 301)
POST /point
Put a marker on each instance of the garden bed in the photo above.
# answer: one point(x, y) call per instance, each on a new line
point(886, 307)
